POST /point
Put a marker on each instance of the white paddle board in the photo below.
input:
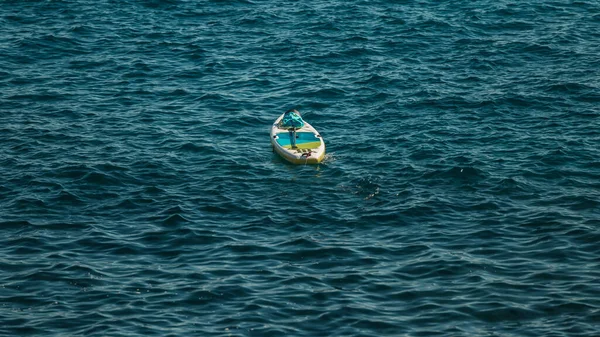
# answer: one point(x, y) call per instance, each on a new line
point(297, 145)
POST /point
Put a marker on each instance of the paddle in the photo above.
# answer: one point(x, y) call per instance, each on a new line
point(293, 137)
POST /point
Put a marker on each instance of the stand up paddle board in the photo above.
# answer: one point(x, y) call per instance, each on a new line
point(298, 145)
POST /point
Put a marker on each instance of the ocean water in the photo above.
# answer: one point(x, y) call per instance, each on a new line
point(139, 195)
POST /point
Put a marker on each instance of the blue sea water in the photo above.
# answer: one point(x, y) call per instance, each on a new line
point(139, 195)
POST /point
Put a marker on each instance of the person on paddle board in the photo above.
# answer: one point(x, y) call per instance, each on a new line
point(293, 121)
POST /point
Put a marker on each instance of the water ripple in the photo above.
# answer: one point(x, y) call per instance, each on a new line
point(139, 194)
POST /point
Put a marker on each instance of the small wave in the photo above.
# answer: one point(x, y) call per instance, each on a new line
point(461, 174)
point(568, 87)
point(197, 148)
point(179, 92)
point(211, 97)
point(325, 93)
point(67, 198)
point(41, 97)
point(160, 4)
point(64, 226)
point(232, 2)
point(175, 219)
point(75, 172)
point(502, 313)
point(99, 178)
point(30, 204)
point(16, 224)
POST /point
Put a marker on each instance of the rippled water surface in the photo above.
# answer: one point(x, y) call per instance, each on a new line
point(460, 195)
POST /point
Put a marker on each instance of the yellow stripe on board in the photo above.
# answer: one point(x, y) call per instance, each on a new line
point(311, 145)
